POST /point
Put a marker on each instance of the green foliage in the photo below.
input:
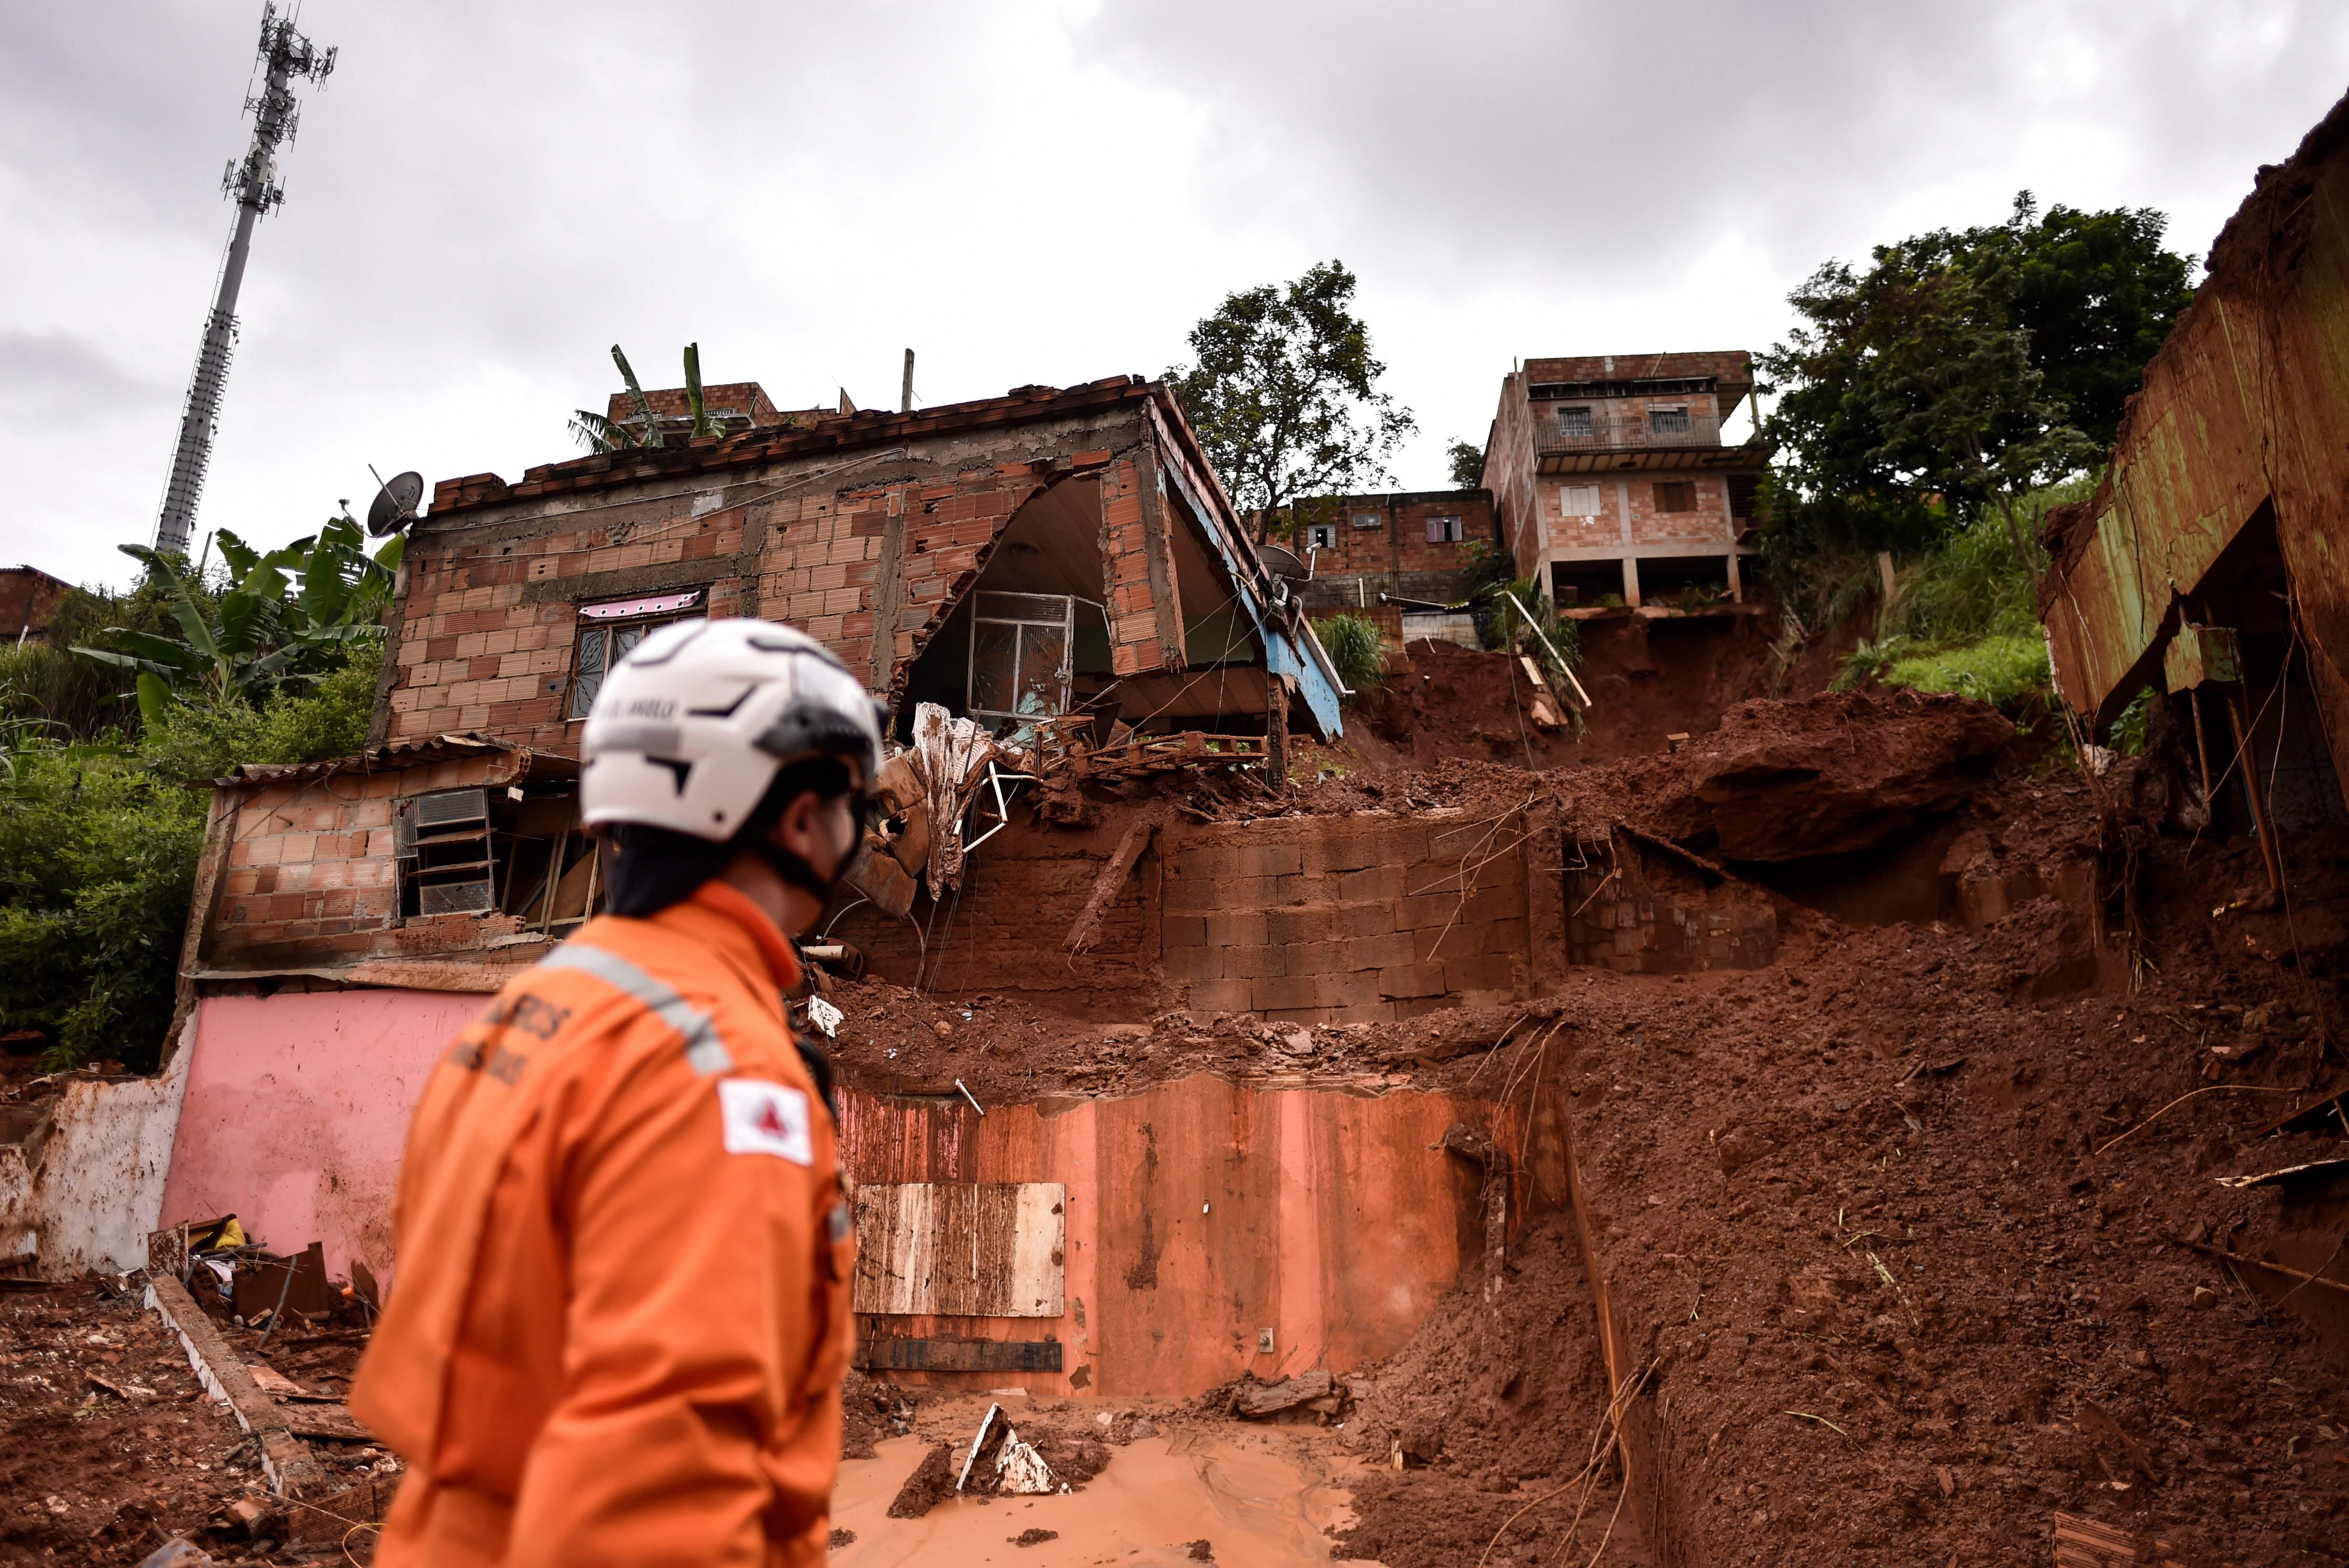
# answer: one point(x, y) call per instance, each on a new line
point(1283, 396)
point(265, 628)
point(98, 857)
point(1997, 669)
point(99, 847)
point(1490, 572)
point(1357, 646)
point(1958, 371)
point(600, 432)
point(2097, 295)
point(1963, 618)
point(1467, 460)
point(2129, 725)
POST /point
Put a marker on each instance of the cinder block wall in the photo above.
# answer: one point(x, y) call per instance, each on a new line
point(310, 869)
point(1364, 917)
point(1007, 931)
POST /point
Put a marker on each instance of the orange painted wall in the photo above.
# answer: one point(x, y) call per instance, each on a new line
point(1201, 1212)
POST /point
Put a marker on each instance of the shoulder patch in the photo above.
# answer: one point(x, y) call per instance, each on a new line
point(761, 1117)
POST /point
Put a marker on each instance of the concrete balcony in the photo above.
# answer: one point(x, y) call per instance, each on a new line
point(1606, 427)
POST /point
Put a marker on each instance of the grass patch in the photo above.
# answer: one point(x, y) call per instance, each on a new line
point(1997, 671)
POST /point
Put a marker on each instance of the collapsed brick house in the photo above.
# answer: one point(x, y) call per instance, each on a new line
point(1059, 565)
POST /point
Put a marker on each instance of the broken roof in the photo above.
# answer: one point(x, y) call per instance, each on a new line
point(393, 756)
point(816, 432)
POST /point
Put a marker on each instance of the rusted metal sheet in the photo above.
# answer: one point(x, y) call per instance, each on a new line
point(2244, 415)
point(961, 1248)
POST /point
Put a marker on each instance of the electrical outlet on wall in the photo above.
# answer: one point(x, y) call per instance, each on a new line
point(1264, 1341)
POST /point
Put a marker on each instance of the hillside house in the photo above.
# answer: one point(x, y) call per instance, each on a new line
point(1611, 479)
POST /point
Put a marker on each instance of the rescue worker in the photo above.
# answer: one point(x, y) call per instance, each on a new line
point(620, 1319)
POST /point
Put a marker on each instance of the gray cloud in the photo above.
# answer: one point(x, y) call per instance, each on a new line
point(482, 199)
point(71, 379)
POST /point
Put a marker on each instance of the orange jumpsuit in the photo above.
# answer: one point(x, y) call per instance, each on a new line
point(622, 1310)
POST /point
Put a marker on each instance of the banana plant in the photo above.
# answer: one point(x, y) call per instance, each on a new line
point(263, 630)
point(600, 432)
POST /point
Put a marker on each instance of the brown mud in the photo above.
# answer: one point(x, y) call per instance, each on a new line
point(108, 1445)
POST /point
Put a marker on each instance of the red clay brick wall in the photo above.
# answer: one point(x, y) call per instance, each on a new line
point(1710, 524)
point(309, 859)
point(312, 870)
point(1400, 542)
point(490, 623)
point(1360, 918)
point(28, 596)
point(477, 653)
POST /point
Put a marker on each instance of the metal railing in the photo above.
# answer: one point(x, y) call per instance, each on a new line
point(1603, 426)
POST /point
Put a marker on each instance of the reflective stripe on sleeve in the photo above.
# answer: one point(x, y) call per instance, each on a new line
point(704, 1051)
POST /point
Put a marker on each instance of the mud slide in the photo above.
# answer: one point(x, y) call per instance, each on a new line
point(1258, 1497)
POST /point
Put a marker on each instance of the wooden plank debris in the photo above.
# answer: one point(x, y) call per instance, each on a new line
point(960, 1250)
point(890, 1353)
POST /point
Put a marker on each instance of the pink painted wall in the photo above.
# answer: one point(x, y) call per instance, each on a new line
point(296, 1114)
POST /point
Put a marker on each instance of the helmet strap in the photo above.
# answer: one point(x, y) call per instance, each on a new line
point(794, 871)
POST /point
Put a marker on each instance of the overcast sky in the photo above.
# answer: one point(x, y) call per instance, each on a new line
point(483, 198)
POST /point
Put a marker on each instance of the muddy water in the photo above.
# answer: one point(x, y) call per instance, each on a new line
point(1260, 1499)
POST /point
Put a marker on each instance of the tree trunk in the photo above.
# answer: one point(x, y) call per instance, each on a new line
point(2027, 549)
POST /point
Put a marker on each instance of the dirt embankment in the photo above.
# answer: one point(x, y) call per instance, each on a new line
point(1908, 1237)
point(1648, 677)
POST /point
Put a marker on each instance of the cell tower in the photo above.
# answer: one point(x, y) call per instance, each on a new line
point(286, 58)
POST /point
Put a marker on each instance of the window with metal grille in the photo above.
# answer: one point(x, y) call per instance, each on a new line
point(1369, 519)
point(1675, 496)
point(1577, 500)
point(1669, 421)
point(1443, 531)
point(1574, 423)
point(609, 630)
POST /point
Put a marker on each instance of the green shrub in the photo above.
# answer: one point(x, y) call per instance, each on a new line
point(1357, 646)
point(98, 847)
point(97, 855)
point(1997, 669)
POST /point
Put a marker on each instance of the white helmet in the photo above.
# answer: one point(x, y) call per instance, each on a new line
point(694, 724)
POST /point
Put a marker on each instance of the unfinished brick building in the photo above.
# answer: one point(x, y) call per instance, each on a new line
point(28, 596)
point(1406, 545)
point(1611, 481)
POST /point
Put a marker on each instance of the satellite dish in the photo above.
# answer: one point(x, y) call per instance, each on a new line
point(395, 503)
point(1283, 562)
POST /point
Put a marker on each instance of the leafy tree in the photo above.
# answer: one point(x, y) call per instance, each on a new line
point(2098, 294)
point(599, 432)
point(1283, 396)
point(1467, 460)
point(1958, 371)
point(265, 628)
